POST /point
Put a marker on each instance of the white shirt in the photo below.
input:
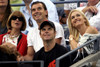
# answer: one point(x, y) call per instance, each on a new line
point(52, 13)
point(70, 6)
point(35, 40)
point(93, 19)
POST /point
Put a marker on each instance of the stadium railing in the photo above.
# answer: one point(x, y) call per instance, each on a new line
point(21, 63)
point(59, 2)
point(96, 49)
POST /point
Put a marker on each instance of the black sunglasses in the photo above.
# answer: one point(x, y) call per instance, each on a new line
point(15, 17)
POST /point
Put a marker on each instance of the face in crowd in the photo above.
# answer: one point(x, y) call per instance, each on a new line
point(47, 33)
point(38, 11)
point(77, 19)
point(16, 21)
point(3, 3)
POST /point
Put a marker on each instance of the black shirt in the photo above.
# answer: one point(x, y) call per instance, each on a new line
point(49, 57)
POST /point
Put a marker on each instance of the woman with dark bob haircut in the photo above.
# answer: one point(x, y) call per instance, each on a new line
point(14, 39)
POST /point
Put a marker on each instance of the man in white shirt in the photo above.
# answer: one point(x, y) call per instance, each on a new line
point(52, 13)
point(92, 12)
point(35, 43)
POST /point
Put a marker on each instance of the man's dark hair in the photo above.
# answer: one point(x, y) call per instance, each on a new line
point(44, 6)
point(50, 23)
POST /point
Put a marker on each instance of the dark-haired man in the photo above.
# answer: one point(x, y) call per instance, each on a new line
point(51, 49)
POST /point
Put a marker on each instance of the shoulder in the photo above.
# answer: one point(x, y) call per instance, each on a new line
point(1, 35)
point(39, 53)
point(92, 30)
point(61, 48)
point(23, 34)
point(32, 31)
point(58, 25)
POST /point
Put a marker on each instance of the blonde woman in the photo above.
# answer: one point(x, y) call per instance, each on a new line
point(80, 30)
point(14, 39)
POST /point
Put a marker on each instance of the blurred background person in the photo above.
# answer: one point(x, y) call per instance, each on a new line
point(92, 12)
point(62, 20)
point(27, 13)
point(5, 11)
point(14, 39)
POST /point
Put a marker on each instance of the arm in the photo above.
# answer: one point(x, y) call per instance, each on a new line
point(92, 9)
point(58, 40)
point(73, 42)
point(28, 57)
point(92, 30)
point(30, 54)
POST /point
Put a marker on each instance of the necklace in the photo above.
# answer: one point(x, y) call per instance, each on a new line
point(13, 36)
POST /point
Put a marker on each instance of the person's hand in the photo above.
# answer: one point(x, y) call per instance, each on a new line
point(92, 9)
point(9, 45)
point(20, 58)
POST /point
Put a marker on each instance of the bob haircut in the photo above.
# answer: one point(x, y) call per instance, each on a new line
point(72, 29)
point(18, 14)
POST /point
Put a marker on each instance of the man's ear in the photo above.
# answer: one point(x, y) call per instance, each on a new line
point(55, 33)
point(40, 33)
point(46, 12)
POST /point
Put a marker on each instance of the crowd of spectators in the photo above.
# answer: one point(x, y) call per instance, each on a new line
point(40, 31)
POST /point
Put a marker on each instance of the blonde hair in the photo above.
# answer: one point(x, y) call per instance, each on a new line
point(19, 14)
point(72, 29)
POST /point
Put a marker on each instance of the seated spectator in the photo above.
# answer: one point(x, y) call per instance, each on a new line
point(5, 11)
point(62, 20)
point(7, 54)
point(14, 39)
point(27, 13)
point(51, 49)
point(80, 32)
point(92, 12)
point(52, 13)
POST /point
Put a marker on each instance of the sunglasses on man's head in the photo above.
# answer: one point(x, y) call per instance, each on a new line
point(15, 17)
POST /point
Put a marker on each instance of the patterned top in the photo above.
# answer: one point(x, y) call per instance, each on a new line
point(6, 38)
point(85, 38)
point(87, 49)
